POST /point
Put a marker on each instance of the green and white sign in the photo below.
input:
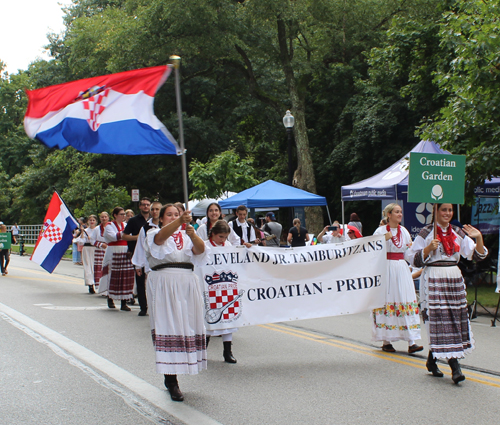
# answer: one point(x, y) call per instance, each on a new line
point(436, 178)
point(5, 240)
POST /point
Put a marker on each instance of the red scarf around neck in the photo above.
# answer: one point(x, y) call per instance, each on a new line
point(448, 241)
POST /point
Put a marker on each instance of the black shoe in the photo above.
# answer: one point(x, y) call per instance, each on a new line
point(143, 313)
point(432, 366)
point(388, 348)
point(111, 303)
point(414, 348)
point(457, 374)
point(228, 355)
point(91, 289)
point(125, 307)
point(131, 301)
point(172, 386)
point(207, 340)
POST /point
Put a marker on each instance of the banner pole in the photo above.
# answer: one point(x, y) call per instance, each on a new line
point(434, 215)
point(176, 62)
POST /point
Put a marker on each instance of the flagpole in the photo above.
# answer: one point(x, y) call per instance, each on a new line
point(176, 62)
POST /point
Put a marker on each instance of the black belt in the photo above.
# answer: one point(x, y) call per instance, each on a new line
point(87, 244)
point(442, 264)
point(173, 266)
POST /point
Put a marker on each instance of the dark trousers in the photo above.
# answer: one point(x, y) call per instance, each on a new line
point(141, 290)
point(4, 259)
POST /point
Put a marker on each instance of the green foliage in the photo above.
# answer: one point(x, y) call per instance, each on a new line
point(227, 172)
point(359, 77)
point(469, 77)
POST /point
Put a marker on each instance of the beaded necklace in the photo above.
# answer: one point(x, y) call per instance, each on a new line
point(397, 240)
point(214, 244)
point(179, 243)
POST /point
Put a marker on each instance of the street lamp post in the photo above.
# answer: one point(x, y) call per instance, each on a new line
point(288, 121)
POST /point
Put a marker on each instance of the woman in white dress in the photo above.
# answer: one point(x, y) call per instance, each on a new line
point(442, 288)
point(88, 252)
point(214, 214)
point(100, 247)
point(118, 275)
point(176, 309)
point(217, 238)
point(399, 319)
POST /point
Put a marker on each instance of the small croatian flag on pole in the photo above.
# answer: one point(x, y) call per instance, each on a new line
point(56, 235)
point(111, 114)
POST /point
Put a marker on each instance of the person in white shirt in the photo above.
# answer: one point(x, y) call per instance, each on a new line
point(331, 234)
point(219, 237)
point(214, 214)
point(139, 258)
point(240, 226)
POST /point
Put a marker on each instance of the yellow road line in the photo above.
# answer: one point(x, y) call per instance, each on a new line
point(47, 277)
point(409, 361)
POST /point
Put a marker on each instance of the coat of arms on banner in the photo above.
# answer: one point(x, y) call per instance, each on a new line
point(222, 300)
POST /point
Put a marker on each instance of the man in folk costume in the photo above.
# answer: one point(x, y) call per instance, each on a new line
point(139, 258)
point(243, 229)
point(130, 234)
point(117, 270)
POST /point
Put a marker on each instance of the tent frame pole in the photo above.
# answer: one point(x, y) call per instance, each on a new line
point(329, 218)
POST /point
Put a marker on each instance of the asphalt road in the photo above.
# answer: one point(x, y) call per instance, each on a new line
point(65, 358)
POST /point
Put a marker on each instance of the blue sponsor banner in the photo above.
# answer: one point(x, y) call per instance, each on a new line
point(485, 215)
point(415, 215)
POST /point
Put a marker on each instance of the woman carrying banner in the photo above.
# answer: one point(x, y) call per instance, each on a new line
point(118, 275)
point(175, 299)
point(97, 239)
point(442, 288)
point(88, 253)
point(399, 318)
point(218, 237)
point(214, 214)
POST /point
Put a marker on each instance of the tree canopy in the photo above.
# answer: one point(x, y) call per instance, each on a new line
point(365, 80)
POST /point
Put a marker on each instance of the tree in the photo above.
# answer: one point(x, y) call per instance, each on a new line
point(469, 77)
point(227, 172)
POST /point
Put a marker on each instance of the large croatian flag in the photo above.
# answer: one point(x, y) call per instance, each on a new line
point(110, 114)
point(56, 235)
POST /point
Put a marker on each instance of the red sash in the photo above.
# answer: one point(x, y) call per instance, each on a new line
point(395, 256)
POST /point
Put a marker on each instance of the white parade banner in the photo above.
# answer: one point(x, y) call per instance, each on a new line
point(258, 285)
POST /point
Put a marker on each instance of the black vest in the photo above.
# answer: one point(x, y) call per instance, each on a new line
point(239, 231)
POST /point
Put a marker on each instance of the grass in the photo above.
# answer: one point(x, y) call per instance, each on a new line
point(28, 250)
point(486, 295)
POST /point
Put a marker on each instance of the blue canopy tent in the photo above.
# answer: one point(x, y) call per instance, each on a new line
point(392, 183)
point(271, 194)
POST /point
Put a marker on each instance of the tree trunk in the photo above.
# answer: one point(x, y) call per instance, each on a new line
point(304, 175)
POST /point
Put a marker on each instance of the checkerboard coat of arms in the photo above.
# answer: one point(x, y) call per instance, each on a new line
point(222, 300)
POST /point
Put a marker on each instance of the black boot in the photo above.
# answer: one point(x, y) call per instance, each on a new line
point(91, 289)
point(207, 340)
point(432, 366)
point(457, 374)
point(173, 388)
point(125, 307)
point(228, 355)
point(111, 303)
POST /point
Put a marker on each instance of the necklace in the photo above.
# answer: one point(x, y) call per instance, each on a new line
point(179, 243)
point(397, 240)
point(214, 244)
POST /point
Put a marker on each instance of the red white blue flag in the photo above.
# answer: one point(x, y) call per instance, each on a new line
point(111, 114)
point(56, 235)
